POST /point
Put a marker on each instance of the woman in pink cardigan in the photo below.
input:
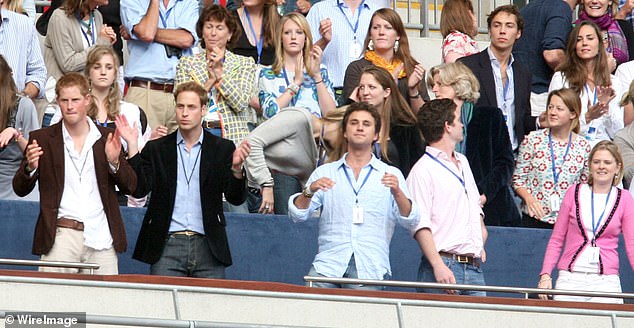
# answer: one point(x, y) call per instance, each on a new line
point(590, 220)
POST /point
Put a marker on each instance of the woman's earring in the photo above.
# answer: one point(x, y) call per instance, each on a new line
point(396, 45)
point(371, 45)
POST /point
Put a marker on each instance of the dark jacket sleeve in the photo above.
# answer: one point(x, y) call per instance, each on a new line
point(23, 182)
point(235, 190)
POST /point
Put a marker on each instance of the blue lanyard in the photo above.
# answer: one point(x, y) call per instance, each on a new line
point(552, 155)
point(462, 182)
point(294, 98)
point(356, 192)
point(167, 16)
point(595, 95)
point(191, 174)
point(598, 223)
point(91, 29)
point(258, 43)
point(356, 25)
point(104, 124)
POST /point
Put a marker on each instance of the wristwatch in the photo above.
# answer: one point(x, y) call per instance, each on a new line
point(307, 193)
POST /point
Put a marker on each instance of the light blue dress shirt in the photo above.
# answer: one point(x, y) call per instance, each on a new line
point(149, 61)
point(20, 47)
point(505, 96)
point(340, 238)
point(188, 213)
point(336, 55)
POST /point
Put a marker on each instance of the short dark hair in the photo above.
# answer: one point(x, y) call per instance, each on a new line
point(219, 14)
point(509, 9)
point(433, 116)
point(362, 106)
point(73, 79)
point(193, 87)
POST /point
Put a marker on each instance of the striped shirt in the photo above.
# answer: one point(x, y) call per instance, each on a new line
point(20, 47)
point(337, 54)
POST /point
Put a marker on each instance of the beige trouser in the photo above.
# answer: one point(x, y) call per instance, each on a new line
point(159, 106)
point(69, 247)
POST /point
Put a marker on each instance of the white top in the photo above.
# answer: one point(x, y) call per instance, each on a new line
point(81, 200)
point(607, 125)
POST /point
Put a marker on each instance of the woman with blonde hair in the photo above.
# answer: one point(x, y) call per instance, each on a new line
point(400, 143)
point(387, 46)
point(485, 141)
point(551, 160)
point(18, 118)
point(584, 242)
point(459, 27)
point(297, 77)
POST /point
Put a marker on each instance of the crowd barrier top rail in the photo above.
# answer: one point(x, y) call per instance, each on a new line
point(54, 264)
point(499, 289)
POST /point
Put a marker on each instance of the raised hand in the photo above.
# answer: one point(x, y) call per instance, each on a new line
point(303, 6)
point(299, 70)
point(33, 154)
point(397, 71)
point(240, 154)
point(321, 184)
point(325, 29)
point(108, 33)
point(158, 132)
point(391, 181)
point(113, 147)
point(605, 94)
point(417, 75)
point(7, 135)
point(315, 69)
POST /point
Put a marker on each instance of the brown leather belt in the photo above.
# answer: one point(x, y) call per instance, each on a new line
point(166, 87)
point(211, 124)
point(466, 259)
point(187, 233)
point(70, 224)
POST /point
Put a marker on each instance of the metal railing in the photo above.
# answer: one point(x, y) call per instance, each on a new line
point(497, 289)
point(53, 264)
point(398, 304)
point(424, 15)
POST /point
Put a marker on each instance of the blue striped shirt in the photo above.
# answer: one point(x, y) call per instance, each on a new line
point(20, 47)
point(336, 55)
point(149, 61)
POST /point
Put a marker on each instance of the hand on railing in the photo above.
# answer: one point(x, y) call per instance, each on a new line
point(545, 282)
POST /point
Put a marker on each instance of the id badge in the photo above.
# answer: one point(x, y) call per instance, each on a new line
point(594, 254)
point(357, 214)
point(355, 50)
point(555, 203)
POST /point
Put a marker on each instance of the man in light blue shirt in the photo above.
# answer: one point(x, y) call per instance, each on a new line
point(361, 199)
point(350, 19)
point(21, 49)
point(159, 32)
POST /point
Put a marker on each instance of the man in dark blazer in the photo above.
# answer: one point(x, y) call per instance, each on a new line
point(188, 171)
point(77, 165)
point(493, 67)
